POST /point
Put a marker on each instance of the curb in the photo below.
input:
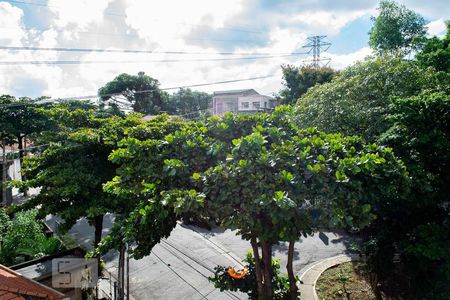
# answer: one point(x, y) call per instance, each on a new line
point(310, 275)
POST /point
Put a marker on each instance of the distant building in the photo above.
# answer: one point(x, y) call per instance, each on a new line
point(241, 101)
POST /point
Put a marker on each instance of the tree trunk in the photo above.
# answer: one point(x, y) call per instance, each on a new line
point(293, 289)
point(20, 145)
point(21, 155)
point(259, 275)
point(267, 270)
point(98, 225)
point(4, 172)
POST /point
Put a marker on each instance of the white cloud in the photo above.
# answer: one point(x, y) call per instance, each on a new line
point(341, 61)
point(167, 22)
point(79, 12)
point(327, 22)
point(167, 26)
point(11, 31)
point(437, 27)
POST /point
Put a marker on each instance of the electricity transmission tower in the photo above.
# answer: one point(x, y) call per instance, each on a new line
point(317, 45)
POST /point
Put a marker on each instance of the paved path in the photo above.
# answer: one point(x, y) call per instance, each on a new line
point(310, 274)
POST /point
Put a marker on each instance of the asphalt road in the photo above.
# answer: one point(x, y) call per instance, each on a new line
point(179, 267)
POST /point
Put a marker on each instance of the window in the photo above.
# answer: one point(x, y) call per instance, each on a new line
point(265, 104)
point(245, 105)
point(256, 105)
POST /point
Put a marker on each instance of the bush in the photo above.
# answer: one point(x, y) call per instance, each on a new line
point(22, 238)
point(223, 281)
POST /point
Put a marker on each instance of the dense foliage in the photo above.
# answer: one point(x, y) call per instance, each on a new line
point(357, 101)
point(297, 80)
point(404, 105)
point(141, 91)
point(223, 281)
point(259, 174)
point(418, 228)
point(22, 238)
point(74, 166)
point(188, 103)
point(272, 177)
point(396, 28)
point(435, 52)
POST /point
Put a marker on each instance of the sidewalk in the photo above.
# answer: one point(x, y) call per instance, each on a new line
point(309, 275)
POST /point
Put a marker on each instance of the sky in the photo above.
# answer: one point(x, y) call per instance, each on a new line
point(199, 28)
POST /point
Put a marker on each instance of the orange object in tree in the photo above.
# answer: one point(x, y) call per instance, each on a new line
point(239, 274)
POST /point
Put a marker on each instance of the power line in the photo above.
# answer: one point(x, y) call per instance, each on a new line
point(115, 14)
point(69, 49)
point(175, 272)
point(53, 100)
point(80, 62)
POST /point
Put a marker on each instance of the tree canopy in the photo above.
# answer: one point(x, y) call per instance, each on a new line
point(73, 168)
point(297, 81)
point(395, 28)
point(435, 52)
point(141, 90)
point(418, 228)
point(20, 119)
point(357, 101)
point(187, 102)
point(22, 237)
point(259, 174)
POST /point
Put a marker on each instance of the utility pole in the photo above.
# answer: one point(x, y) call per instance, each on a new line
point(4, 169)
point(121, 270)
point(317, 45)
point(128, 273)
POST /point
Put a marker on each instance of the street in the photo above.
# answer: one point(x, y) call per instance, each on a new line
point(179, 267)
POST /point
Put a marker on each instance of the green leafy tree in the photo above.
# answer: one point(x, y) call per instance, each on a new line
point(259, 174)
point(273, 185)
point(435, 52)
point(356, 102)
point(21, 120)
point(395, 28)
point(22, 237)
point(418, 227)
point(187, 102)
point(297, 81)
point(141, 90)
point(71, 171)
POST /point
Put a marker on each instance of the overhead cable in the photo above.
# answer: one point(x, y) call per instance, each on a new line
point(70, 49)
point(53, 100)
point(80, 62)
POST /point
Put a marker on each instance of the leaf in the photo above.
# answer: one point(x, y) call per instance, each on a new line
point(366, 208)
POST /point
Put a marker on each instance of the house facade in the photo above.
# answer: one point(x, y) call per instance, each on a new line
point(241, 101)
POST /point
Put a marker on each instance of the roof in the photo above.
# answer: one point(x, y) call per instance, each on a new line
point(233, 92)
point(41, 268)
point(15, 286)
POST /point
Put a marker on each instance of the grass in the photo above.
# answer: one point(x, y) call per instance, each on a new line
point(345, 281)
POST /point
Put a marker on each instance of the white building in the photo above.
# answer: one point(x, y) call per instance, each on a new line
point(241, 101)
